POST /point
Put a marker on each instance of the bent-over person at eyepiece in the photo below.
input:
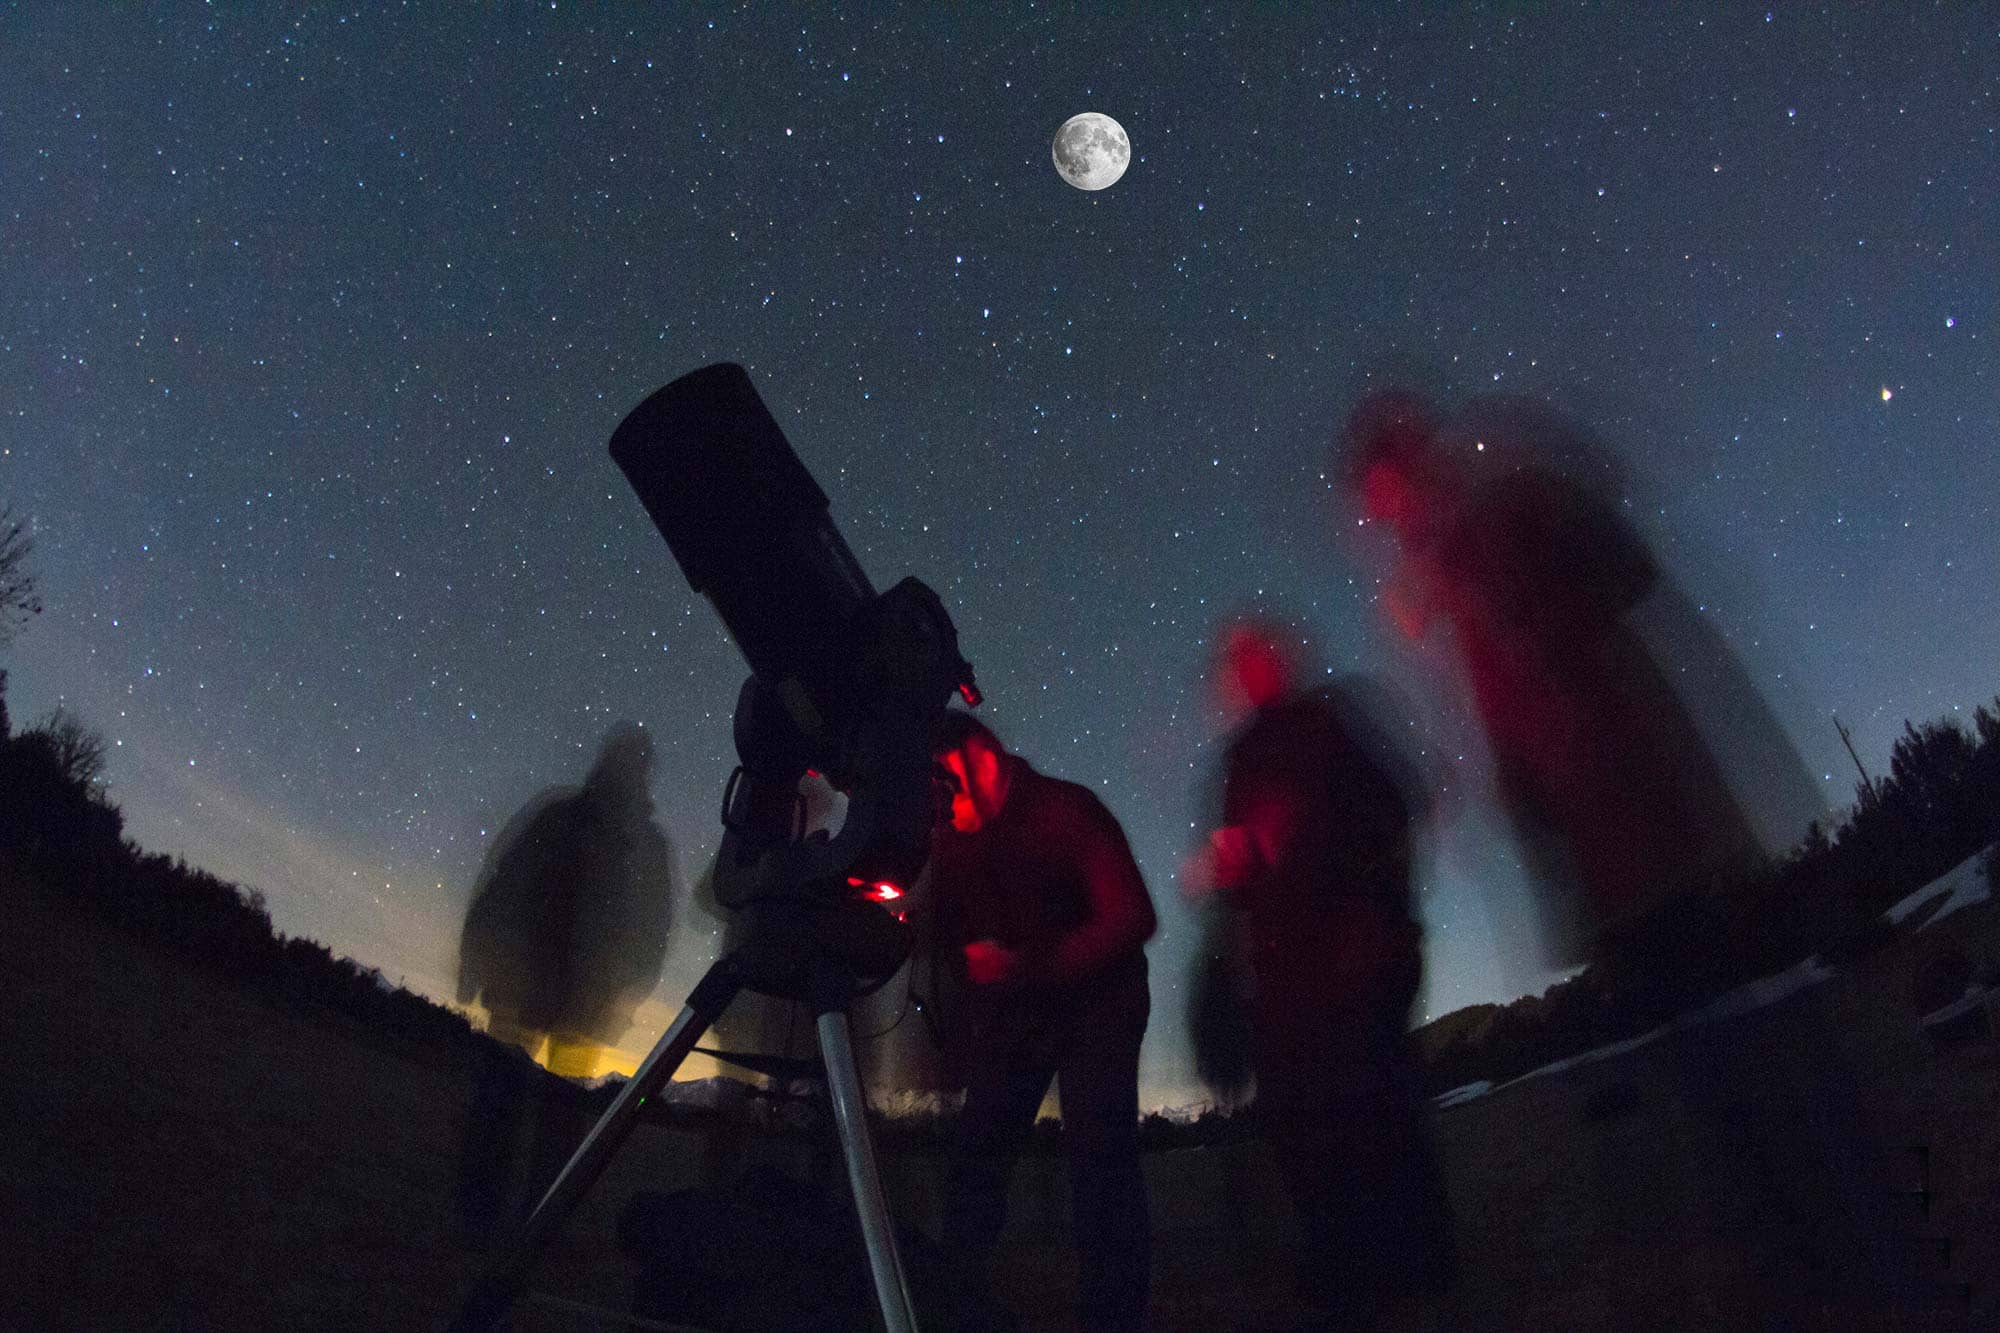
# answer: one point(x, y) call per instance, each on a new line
point(1042, 907)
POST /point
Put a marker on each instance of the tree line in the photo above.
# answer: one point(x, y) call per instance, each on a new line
point(60, 829)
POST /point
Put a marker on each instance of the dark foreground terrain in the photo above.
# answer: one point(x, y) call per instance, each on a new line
point(179, 1155)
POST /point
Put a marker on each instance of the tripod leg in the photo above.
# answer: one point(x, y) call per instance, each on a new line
point(501, 1284)
point(849, 1108)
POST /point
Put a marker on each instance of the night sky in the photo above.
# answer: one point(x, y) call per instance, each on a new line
point(313, 333)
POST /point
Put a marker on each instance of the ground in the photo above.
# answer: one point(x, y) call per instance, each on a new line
point(182, 1155)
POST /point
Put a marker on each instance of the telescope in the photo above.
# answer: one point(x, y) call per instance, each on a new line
point(844, 682)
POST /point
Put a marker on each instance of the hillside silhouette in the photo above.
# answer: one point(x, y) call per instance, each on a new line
point(1938, 803)
point(60, 827)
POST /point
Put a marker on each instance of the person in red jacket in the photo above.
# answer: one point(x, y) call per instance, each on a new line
point(1042, 908)
point(1312, 859)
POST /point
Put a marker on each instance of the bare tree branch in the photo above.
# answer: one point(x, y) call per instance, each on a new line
point(18, 598)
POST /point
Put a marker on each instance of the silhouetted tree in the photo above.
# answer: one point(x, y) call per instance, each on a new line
point(1814, 844)
point(18, 599)
point(1927, 775)
point(1939, 803)
point(78, 750)
point(1982, 774)
point(50, 818)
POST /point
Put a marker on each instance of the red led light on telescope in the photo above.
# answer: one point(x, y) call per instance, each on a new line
point(882, 891)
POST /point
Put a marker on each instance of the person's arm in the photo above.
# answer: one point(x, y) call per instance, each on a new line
point(1221, 862)
point(1120, 916)
point(1237, 853)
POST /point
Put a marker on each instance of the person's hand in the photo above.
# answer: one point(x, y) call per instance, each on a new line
point(1232, 855)
point(1226, 862)
point(989, 961)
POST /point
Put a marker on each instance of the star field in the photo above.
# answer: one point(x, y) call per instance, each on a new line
point(313, 332)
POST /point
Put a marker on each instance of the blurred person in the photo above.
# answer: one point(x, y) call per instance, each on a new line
point(565, 936)
point(1312, 860)
point(569, 921)
point(1042, 909)
point(1646, 779)
point(1615, 796)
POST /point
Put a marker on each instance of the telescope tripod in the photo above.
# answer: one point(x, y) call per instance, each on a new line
point(775, 969)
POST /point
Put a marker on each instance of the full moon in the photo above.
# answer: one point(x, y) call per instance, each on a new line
point(1091, 150)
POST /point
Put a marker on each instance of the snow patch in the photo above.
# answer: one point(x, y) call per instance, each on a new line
point(1750, 996)
point(1966, 885)
point(1758, 994)
point(1467, 1093)
point(1974, 997)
